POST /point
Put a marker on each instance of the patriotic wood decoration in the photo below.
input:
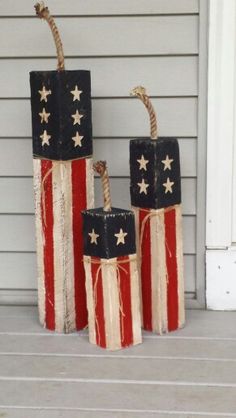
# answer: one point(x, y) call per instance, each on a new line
point(63, 187)
point(156, 201)
point(112, 282)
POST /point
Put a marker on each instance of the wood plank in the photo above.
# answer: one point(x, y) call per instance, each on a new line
point(162, 76)
point(105, 7)
point(18, 233)
point(130, 36)
point(200, 325)
point(17, 194)
point(19, 162)
point(133, 396)
point(18, 271)
point(126, 117)
point(78, 346)
point(113, 369)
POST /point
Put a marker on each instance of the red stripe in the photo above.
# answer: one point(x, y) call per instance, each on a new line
point(99, 300)
point(79, 199)
point(171, 264)
point(47, 223)
point(125, 302)
point(146, 272)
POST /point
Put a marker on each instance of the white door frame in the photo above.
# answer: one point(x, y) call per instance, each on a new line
point(221, 194)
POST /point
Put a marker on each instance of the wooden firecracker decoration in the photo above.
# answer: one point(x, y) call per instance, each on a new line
point(63, 186)
point(156, 200)
point(112, 282)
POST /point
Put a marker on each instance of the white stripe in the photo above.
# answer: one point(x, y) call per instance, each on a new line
point(39, 239)
point(69, 277)
point(58, 240)
point(162, 256)
point(135, 300)
point(136, 217)
point(156, 236)
point(111, 306)
point(179, 257)
point(89, 183)
point(90, 299)
point(158, 273)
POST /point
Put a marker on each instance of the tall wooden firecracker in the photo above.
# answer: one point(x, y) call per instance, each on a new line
point(63, 186)
point(156, 200)
point(111, 273)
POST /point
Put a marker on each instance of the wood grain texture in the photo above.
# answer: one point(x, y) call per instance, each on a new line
point(104, 7)
point(112, 117)
point(130, 36)
point(162, 76)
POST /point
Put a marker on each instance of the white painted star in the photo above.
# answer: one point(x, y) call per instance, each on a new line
point(93, 237)
point(77, 117)
point(44, 116)
point(121, 237)
point(143, 163)
point(76, 93)
point(77, 140)
point(143, 187)
point(167, 163)
point(45, 138)
point(168, 186)
point(43, 94)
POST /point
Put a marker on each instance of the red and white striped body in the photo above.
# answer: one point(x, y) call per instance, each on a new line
point(113, 301)
point(61, 190)
point(159, 242)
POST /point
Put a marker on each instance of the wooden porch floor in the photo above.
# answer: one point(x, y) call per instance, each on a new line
point(190, 373)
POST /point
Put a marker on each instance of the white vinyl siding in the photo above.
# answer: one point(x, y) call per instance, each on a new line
point(124, 44)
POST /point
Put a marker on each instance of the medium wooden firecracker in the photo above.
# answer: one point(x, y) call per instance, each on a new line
point(156, 200)
point(111, 273)
point(63, 186)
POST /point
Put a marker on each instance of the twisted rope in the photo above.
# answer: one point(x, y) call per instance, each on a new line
point(101, 168)
point(43, 13)
point(140, 92)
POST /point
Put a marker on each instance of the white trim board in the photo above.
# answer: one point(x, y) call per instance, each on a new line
point(220, 219)
point(221, 100)
point(221, 279)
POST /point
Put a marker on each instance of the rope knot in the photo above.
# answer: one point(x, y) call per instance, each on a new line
point(41, 10)
point(141, 93)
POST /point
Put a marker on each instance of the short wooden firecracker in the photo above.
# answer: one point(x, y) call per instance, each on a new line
point(156, 200)
point(112, 282)
point(63, 186)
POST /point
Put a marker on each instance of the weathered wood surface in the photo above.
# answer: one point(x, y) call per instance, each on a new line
point(188, 373)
